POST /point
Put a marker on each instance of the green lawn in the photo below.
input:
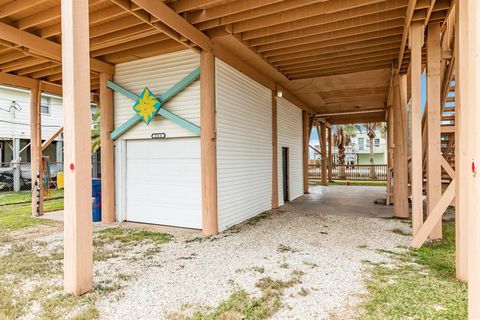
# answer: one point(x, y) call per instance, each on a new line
point(420, 284)
point(28, 261)
point(15, 217)
point(12, 197)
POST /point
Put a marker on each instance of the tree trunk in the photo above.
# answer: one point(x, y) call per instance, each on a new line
point(341, 161)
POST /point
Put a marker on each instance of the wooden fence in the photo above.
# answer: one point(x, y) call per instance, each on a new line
point(359, 172)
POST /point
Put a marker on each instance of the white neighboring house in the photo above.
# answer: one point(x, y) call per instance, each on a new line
point(15, 133)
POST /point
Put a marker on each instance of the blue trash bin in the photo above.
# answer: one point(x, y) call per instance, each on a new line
point(96, 199)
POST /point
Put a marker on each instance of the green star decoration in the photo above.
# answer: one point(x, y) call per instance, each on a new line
point(146, 106)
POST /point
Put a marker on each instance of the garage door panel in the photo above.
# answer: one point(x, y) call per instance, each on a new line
point(163, 182)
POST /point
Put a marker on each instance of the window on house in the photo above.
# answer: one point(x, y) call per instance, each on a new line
point(361, 145)
point(45, 106)
point(377, 143)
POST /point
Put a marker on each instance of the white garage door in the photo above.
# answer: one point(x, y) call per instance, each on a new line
point(163, 182)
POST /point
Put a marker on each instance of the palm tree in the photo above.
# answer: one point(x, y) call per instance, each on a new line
point(371, 129)
point(342, 137)
point(95, 132)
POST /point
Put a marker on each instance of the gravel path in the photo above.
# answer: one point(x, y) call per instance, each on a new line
point(190, 273)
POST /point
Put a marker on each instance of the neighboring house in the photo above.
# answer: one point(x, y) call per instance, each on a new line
point(15, 125)
point(15, 156)
point(358, 151)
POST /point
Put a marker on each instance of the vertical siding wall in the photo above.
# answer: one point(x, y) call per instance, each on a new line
point(159, 74)
point(289, 126)
point(244, 146)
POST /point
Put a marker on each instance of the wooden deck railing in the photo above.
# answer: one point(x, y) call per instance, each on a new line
point(359, 172)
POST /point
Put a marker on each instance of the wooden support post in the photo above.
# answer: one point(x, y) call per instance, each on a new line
point(274, 151)
point(434, 169)
point(36, 149)
point(400, 158)
point(208, 143)
point(323, 143)
point(306, 139)
point(330, 164)
point(469, 76)
point(78, 243)
point(390, 153)
point(462, 156)
point(106, 150)
point(416, 43)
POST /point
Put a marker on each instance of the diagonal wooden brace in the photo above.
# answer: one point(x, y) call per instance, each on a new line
point(448, 168)
point(434, 217)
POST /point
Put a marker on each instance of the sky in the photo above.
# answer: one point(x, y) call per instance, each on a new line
point(314, 137)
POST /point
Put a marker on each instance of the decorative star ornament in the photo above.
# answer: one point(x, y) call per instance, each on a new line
point(146, 106)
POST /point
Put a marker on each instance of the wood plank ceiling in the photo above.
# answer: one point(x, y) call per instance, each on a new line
point(336, 54)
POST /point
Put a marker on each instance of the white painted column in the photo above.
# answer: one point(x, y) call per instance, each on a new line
point(78, 243)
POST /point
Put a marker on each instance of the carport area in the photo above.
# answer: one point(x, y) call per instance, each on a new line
point(207, 109)
point(351, 201)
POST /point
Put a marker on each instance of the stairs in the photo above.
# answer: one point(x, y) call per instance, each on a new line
point(447, 139)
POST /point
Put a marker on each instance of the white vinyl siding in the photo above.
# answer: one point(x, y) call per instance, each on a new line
point(16, 123)
point(159, 74)
point(244, 146)
point(163, 182)
point(289, 128)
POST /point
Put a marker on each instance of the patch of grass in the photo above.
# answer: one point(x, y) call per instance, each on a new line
point(256, 219)
point(61, 305)
point(130, 236)
point(240, 305)
point(190, 257)
point(107, 240)
point(268, 284)
point(16, 217)
point(304, 292)
point(199, 239)
point(310, 264)
point(282, 248)
point(401, 232)
point(258, 269)
point(420, 285)
point(23, 261)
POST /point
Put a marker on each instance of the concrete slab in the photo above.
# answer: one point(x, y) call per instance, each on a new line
point(53, 215)
point(344, 201)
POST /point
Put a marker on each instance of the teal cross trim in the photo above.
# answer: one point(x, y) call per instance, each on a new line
point(164, 98)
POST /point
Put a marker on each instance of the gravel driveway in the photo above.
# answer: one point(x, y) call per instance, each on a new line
point(192, 273)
